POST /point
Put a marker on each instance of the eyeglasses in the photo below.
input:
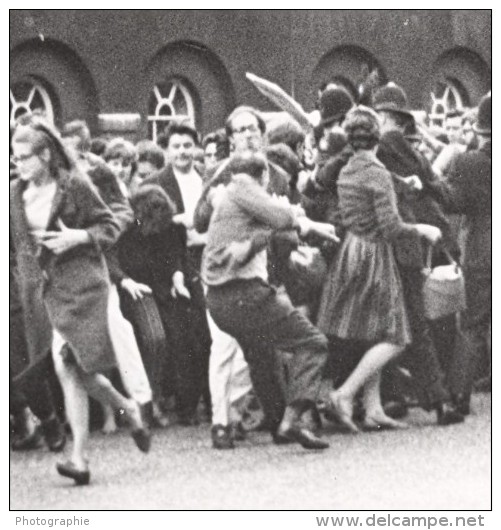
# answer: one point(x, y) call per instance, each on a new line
point(250, 128)
point(23, 158)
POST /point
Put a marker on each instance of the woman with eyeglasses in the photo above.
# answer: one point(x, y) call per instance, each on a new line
point(60, 227)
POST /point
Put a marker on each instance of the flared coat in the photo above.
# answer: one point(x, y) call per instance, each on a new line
point(67, 292)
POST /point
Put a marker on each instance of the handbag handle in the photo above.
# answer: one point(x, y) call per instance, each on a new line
point(448, 255)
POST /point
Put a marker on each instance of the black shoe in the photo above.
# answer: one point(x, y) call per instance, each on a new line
point(462, 402)
point(54, 435)
point(311, 420)
point(68, 469)
point(302, 436)
point(238, 433)
point(27, 442)
point(142, 438)
point(221, 437)
point(396, 409)
point(188, 420)
point(448, 414)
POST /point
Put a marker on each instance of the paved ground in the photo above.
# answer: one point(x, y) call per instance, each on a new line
point(425, 467)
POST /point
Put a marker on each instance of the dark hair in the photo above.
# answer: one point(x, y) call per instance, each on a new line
point(244, 110)
point(78, 128)
point(181, 129)
point(252, 164)
point(222, 143)
point(148, 151)
point(287, 132)
point(362, 128)
point(401, 119)
point(98, 145)
point(153, 208)
point(120, 148)
point(282, 155)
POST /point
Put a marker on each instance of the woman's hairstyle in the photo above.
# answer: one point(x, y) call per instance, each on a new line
point(153, 208)
point(287, 132)
point(120, 148)
point(362, 128)
point(78, 128)
point(282, 155)
point(252, 164)
point(98, 146)
point(41, 135)
point(149, 151)
point(222, 143)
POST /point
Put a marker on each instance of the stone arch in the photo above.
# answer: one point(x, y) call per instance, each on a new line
point(462, 73)
point(63, 74)
point(344, 65)
point(201, 71)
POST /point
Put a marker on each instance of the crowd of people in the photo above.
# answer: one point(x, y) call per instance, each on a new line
point(268, 271)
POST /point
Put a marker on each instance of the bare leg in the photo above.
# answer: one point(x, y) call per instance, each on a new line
point(371, 364)
point(101, 389)
point(375, 417)
point(77, 408)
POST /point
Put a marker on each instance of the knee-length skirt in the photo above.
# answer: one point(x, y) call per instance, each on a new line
point(362, 298)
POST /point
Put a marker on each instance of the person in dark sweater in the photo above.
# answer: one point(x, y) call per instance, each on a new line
point(154, 253)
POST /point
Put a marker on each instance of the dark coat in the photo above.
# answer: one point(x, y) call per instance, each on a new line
point(68, 292)
point(395, 152)
point(166, 179)
point(468, 191)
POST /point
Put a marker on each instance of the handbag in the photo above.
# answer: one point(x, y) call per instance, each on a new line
point(443, 288)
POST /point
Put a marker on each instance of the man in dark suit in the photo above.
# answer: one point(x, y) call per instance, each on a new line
point(467, 190)
point(190, 333)
point(399, 157)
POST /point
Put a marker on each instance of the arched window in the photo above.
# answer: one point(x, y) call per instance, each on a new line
point(448, 95)
point(27, 97)
point(169, 101)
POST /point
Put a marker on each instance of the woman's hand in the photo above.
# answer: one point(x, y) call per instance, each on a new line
point(429, 232)
point(66, 239)
point(178, 286)
point(135, 289)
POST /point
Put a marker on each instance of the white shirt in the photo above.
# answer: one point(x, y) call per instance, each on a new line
point(191, 186)
point(38, 204)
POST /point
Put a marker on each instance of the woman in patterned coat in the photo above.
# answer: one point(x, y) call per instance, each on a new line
point(362, 299)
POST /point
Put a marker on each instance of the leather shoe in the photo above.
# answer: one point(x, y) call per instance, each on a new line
point(28, 442)
point(69, 470)
point(448, 414)
point(142, 437)
point(462, 402)
point(302, 436)
point(221, 437)
point(54, 435)
point(238, 432)
point(396, 409)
